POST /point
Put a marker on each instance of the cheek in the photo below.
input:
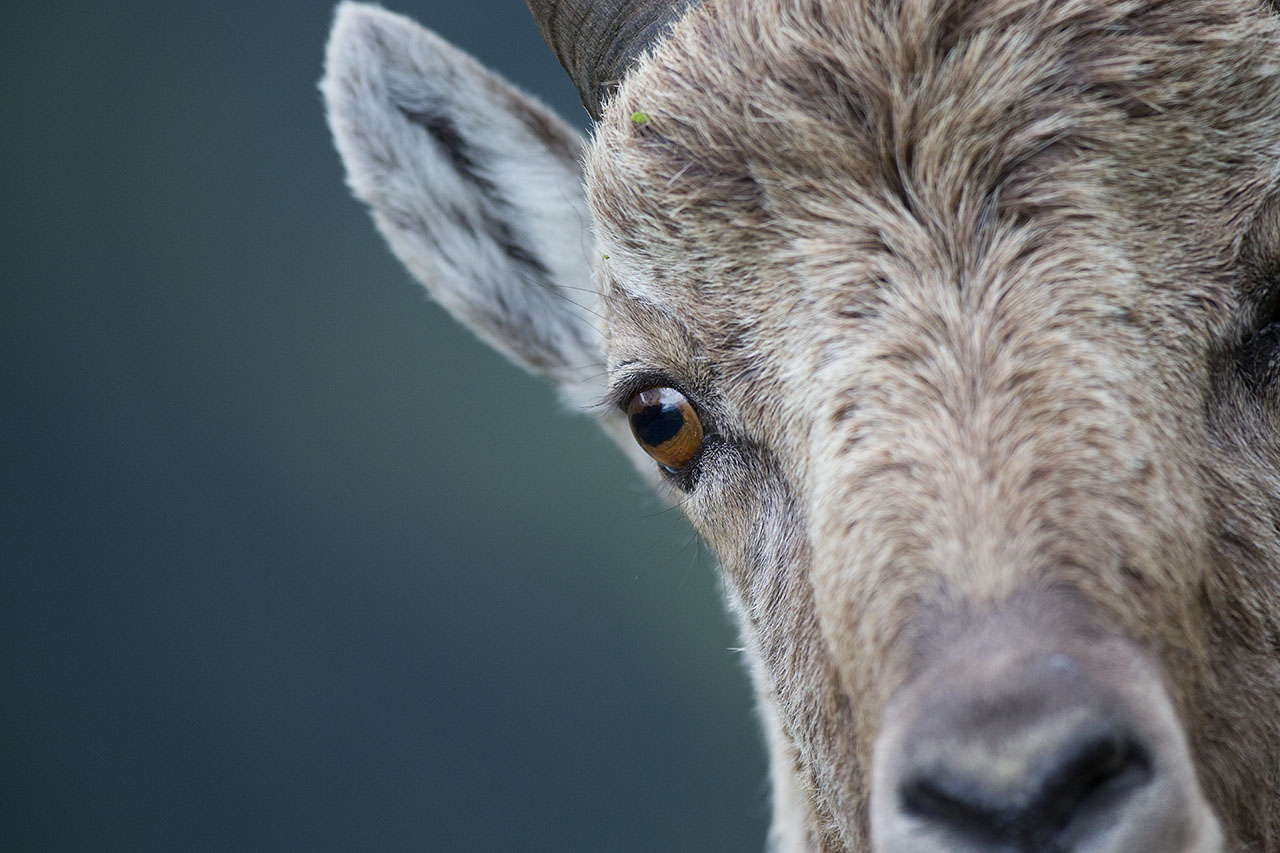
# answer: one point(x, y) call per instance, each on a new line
point(748, 515)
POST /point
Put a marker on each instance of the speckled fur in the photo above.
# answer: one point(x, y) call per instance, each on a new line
point(961, 282)
point(958, 289)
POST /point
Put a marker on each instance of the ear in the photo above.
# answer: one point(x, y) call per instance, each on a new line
point(475, 185)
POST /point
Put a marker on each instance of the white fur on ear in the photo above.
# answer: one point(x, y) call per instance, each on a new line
point(475, 185)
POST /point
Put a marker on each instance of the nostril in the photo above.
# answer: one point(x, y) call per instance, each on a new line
point(954, 803)
point(1086, 775)
point(1090, 772)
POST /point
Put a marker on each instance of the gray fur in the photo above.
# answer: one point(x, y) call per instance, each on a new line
point(967, 294)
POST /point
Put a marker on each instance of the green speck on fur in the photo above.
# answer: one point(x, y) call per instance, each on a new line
point(640, 117)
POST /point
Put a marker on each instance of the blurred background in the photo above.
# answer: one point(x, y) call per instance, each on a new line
point(289, 561)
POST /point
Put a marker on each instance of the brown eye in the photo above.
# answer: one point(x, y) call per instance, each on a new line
point(666, 426)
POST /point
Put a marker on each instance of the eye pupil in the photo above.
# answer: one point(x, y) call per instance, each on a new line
point(657, 423)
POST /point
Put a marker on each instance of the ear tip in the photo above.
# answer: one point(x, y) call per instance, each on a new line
point(367, 35)
point(359, 28)
point(350, 13)
point(353, 77)
point(352, 21)
point(358, 43)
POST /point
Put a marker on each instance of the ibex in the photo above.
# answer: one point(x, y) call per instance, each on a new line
point(954, 328)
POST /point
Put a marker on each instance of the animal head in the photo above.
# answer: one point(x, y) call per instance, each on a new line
point(953, 328)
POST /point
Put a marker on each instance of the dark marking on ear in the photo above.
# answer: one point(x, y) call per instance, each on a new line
point(509, 321)
point(444, 132)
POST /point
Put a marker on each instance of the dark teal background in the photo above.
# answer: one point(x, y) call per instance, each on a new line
point(290, 561)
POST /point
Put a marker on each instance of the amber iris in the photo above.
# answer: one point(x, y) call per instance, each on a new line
point(666, 426)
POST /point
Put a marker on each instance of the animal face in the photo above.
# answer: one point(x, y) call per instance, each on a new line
point(951, 326)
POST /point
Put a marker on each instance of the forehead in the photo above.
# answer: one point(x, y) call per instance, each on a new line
point(775, 165)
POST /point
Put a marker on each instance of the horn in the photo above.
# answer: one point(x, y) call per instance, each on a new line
point(597, 40)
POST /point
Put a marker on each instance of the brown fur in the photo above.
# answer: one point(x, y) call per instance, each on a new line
point(959, 287)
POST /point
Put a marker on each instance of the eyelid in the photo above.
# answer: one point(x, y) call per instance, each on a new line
point(629, 382)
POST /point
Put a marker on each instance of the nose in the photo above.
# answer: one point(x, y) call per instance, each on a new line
point(1040, 752)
